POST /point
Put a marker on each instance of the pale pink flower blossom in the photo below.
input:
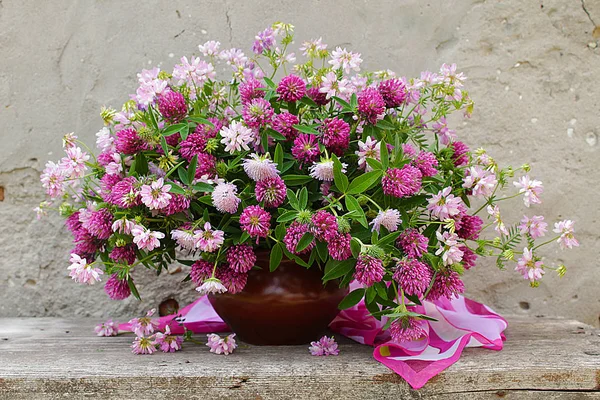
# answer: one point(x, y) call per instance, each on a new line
point(529, 267)
point(220, 345)
point(194, 72)
point(236, 137)
point(494, 211)
point(481, 181)
point(449, 248)
point(150, 87)
point(144, 326)
point(74, 163)
point(104, 141)
point(566, 230)
point(312, 48)
point(114, 167)
point(370, 148)
point(445, 205)
point(390, 219)
point(326, 346)
point(445, 134)
point(167, 342)
point(531, 188)
point(535, 226)
point(69, 140)
point(323, 170)
point(123, 225)
point(143, 345)
point(108, 328)
point(224, 198)
point(184, 238)
point(41, 211)
point(332, 87)
point(146, 239)
point(450, 76)
point(156, 195)
point(346, 60)
point(82, 272)
point(210, 48)
point(53, 179)
point(211, 286)
point(208, 239)
point(259, 168)
point(233, 57)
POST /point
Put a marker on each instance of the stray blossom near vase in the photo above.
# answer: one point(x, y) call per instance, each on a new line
point(359, 171)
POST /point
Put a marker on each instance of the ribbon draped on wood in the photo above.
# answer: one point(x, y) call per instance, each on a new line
point(461, 323)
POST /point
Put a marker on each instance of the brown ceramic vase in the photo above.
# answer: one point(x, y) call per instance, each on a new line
point(286, 307)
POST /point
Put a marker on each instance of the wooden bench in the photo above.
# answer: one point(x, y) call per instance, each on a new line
point(52, 358)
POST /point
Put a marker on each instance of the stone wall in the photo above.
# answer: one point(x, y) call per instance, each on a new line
point(533, 70)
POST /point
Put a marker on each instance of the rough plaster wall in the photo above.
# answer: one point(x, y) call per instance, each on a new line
point(533, 73)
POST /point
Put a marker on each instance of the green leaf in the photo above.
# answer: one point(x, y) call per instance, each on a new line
point(339, 178)
point(245, 236)
point(173, 129)
point(163, 144)
point(354, 101)
point(343, 103)
point(381, 289)
point(322, 251)
point(274, 134)
point(275, 258)
point(133, 289)
point(191, 172)
point(357, 212)
point(363, 182)
point(386, 125)
point(176, 189)
point(206, 200)
point(304, 242)
point(287, 216)
point(307, 129)
point(303, 198)
point(278, 157)
point(389, 238)
point(337, 269)
point(296, 180)
point(203, 187)
point(264, 140)
point(413, 298)
point(152, 117)
point(370, 294)
point(355, 247)
point(352, 299)
point(270, 83)
point(293, 199)
point(384, 155)
point(308, 101)
point(280, 231)
point(183, 177)
point(141, 164)
point(202, 121)
point(376, 165)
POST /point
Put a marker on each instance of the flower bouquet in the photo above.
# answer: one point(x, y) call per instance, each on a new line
point(356, 174)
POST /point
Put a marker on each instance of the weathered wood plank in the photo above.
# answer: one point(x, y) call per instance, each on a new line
point(46, 358)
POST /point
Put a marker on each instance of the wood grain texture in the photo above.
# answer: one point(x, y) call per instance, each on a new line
point(48, 358)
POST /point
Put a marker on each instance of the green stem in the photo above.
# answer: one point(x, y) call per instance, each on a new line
point(545, 243)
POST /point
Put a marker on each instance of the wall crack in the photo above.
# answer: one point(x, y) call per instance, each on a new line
point(587, 13)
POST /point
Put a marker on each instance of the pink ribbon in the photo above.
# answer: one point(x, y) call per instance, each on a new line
point(460, 323)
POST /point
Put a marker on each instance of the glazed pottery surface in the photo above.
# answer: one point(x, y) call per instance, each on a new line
point(286, 307)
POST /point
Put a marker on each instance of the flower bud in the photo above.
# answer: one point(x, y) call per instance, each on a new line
point(375, 251)
point(343, 225)
point(222, 169)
